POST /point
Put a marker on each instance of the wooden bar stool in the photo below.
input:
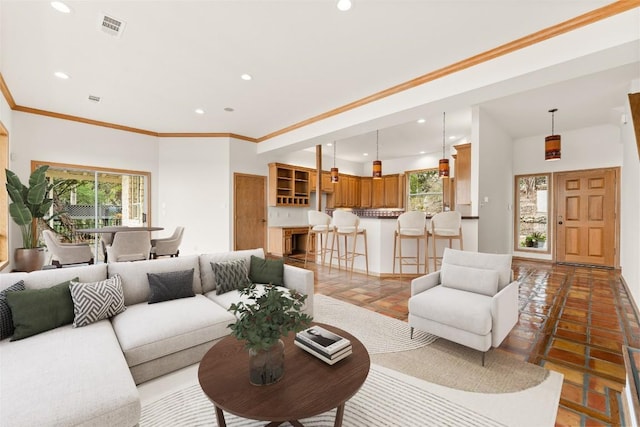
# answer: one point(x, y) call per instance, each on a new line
point(447, 226)
point(347, 225)
point(320, 225)
point(412, 226)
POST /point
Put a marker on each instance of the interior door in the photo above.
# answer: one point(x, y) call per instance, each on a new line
point(250, 211)
point(586, 221)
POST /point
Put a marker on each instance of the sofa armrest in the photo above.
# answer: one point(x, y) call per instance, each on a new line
point(300, 280)
point(422, 283)
point(504, 313)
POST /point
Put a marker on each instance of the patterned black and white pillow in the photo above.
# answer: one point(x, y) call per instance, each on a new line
point(230, 275)
point(6, 320)
point(96, 301)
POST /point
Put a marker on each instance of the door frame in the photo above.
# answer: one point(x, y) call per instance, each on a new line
point(616, 237)
point(235, 208)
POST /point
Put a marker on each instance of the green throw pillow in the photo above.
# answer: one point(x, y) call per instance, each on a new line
point(39, 310)
point(266, 271)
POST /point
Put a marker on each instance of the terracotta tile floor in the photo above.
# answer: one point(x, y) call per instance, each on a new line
point(573, 320)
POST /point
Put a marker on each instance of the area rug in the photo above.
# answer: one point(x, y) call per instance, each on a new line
point(435, 360)
point(384, 400)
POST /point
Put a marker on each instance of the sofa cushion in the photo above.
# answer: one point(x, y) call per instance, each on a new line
point(135, 282)
point(38, 310)
point(469, 279)
point(266, 270)
point(171, 285)
point(459, 309)
point(208, 280)
point(67, 377)
point(226, 299)
point(96, 300)
point(6, 321)
point(230, 275)
point(149, 331)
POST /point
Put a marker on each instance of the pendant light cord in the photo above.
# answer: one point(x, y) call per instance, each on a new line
point(334, 154)
point(377, 156)
point(553, 113)
point(443, 124)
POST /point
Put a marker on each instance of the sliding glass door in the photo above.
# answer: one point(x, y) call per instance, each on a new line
point(86, 197)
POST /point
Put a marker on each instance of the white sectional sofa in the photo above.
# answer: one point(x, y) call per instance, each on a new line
point(88, 375)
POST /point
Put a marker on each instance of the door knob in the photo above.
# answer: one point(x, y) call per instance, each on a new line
point(560, 220)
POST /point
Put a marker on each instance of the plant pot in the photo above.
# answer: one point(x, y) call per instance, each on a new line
point(266, 366)
point(540, 243)
point(28, 259)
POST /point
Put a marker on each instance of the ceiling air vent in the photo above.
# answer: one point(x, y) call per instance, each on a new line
point(94, 98)
point(112, 26)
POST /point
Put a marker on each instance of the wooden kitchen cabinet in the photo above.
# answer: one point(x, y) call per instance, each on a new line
point(377, 193)
point(325, 185)
point(288, 186)
point(284, 241)
point(462, 170)
point(366, 186)
point(391, 190)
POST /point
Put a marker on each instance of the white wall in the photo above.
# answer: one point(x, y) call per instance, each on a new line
point(587, 148)
point(195, 192)
point(630, 205)
point(35, 137)
point(495, 186)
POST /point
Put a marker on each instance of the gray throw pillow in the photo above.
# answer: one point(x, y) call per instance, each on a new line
point(171, 285)
point(230, 275)
point(97, 300)
point(6, 322)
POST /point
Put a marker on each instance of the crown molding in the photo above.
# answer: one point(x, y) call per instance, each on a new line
point(579, 21)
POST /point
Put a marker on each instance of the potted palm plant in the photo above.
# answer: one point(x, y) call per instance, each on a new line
point(262, 321)
point(28, 205)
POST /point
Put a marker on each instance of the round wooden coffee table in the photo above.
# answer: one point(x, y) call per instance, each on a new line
point(309, 386)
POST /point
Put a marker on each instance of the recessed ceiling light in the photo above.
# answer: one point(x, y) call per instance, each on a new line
point(343, 5)
point(365, 154)
point(94, 98)
point(421, 120)
point(452, 137)
point(60, 7)
point(61, 75)
point(199, 111)
point(329, 144)
point(246, 77)
point(422, 152)
point(229, 109)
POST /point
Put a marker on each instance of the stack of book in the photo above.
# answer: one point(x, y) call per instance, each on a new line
point(323, 344)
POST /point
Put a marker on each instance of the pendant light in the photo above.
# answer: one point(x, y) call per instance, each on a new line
point(334, 170)
point(443, 165)
point(552, 142)
point(377, 164)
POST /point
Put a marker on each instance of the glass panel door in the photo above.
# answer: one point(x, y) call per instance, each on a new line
point(89, 198)
point(532, 213)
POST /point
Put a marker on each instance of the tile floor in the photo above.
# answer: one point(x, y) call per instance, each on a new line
point(573, 320)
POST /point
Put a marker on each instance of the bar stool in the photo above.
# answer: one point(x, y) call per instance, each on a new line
point(413, 226)
point(320, 225)
point(445, 225)
point(347, 226)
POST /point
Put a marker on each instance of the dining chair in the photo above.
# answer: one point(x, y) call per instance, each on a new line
point(168, 246)
point(129, 246)
point(66, 253)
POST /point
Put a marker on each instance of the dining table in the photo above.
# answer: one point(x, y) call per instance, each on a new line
point(112, 230)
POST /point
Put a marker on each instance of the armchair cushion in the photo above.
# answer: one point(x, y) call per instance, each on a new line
point(469, 279)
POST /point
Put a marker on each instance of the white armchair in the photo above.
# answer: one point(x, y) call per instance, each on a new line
point(66, 253)
point(471, 300)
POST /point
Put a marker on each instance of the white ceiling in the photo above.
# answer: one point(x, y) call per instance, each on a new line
point(306, 58)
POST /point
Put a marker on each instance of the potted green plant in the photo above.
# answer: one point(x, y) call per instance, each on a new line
point(28, 205)
point(528, 241)
point(262, 321)
point(539, 238)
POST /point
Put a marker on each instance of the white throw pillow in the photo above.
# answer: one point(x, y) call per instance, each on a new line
point(469, 279)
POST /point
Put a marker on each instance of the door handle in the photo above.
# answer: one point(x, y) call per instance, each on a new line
point(560, 220)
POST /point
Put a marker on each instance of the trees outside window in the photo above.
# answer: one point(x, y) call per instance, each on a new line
point(425, 191)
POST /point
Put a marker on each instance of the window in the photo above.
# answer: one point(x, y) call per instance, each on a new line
point(532, 213)
point(89, 197)
point(425, 191)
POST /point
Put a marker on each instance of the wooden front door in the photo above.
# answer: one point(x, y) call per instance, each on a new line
point(250, 211)
point(586, 221)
